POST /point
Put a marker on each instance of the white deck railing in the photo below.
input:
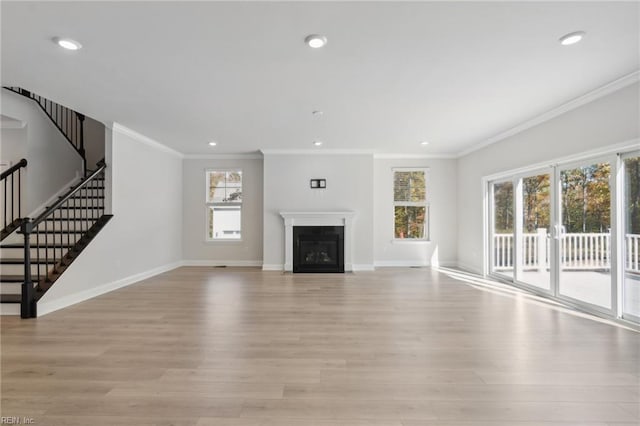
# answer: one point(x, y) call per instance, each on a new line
point(588, 251)
point(632, 245)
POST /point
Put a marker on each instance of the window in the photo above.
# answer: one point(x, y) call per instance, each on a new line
point(224, 204)
point(411, 210)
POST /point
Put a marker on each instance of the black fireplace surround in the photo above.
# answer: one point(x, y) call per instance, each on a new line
point(318, 249)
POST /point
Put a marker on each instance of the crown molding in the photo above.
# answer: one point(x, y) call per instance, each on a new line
point(598, 93)
point(399, 156)
point(252, 156)
point(318, 151)
point(116, 127)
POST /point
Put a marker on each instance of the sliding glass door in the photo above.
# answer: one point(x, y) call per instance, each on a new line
point(502, 226)
point(571, 232)
point(533, 265)
point(520, 224)
point(585, 234)
point(631, 237)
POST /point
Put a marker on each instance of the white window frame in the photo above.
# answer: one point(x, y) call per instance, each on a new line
point(209, 204)
point(426, 204)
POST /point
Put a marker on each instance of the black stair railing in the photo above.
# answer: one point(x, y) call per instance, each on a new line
point(11, 181)
point(54, 239)
point(69, 122)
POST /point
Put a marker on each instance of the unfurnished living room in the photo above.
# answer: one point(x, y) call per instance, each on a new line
point(320, 213)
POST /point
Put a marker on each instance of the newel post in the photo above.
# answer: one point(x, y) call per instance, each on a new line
point(27, 301)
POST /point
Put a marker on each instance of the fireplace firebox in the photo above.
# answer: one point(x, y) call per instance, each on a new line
point(318, 249)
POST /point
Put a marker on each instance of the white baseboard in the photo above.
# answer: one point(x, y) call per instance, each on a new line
point(468, 268)
point(48, 307)
point(272, 267)
point(400, 263)
point(413, 264)
point(362, 267)
point(65, 188)
point(230, 263)
point(354, 268)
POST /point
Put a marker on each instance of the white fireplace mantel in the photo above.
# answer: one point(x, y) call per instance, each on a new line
point(340, 218)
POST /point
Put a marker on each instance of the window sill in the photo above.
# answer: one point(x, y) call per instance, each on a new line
point(224, 241)
point(409, 241)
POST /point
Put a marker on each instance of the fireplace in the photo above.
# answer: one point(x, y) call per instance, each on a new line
point(318, 249)
point(322, 219)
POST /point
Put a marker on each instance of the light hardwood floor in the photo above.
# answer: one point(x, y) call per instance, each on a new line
point(406, 347)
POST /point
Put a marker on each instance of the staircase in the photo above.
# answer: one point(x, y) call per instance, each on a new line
point(34, 253)
point(69, 122)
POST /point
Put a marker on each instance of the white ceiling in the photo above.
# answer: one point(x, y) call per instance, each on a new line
point(392, 74)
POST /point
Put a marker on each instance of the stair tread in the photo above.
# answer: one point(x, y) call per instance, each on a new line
point(91, 197)
point(9, 278)
point(68, 219)
point(81, 208)
point(58, 231)
point(33, 246)
point(89, 186)
point(10, 298)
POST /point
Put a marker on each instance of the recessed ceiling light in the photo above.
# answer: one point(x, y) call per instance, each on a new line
point(213, 143)
point(317, 143)
point(315, 40)
point(67, 43)
point(317, 113)
point(424, 143)
point(571, 38)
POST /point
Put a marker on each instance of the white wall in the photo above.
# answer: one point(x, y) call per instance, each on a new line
point(196, 250)
point(441, 190)
point(52, 162)
point(349, 188)
point(13, 145)
point(606, 121)
point(145, 235)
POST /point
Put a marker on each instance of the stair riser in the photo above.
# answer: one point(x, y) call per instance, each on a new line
point(50, 236)
point(64, 225)
point(80, 200)
point(5, 252)
point(78, 208)
point(10, 288)
point(42, 239)
point(75, 214)
point(95, 189)
point(19, 269)
point(10, 309)
point(76, 220)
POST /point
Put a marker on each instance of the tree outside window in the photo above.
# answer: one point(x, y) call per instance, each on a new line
point(411, 209)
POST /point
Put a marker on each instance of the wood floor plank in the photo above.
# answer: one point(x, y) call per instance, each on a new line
point(202, 346)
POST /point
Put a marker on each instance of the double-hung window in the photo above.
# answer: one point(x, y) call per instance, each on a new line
point(224, 204)
point(410, 204)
